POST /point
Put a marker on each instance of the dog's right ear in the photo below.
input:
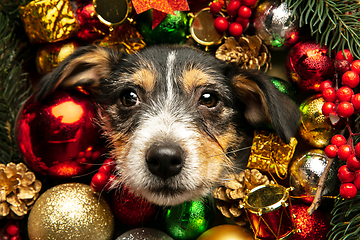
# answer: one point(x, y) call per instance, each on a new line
point(86, 66)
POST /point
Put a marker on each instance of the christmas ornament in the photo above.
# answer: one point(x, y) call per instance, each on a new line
point(48, 21)
point(50, 55)
point(202, 28)
point(91, 28)
point(160, 8)
point(57, 136)
point(315, 128)
point(275, 25)
point(144, 234)
point(309, 227)
point(305, 172)
point(71, 211)
point(268, 210)
point(270, 153)
point(188, 220)
point(126, 38)
point(230, 196)
point(308, 65)
point(173, 29)
point(132, 210)
point(18, 190)
point(227, 232)
point(248, 53)
point(112, 13)
point(284, 87)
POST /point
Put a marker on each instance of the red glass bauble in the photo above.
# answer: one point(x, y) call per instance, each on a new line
point(91, 28)
point(311, 227)
point(57, 136)
point(131, 210)
point(308, 65)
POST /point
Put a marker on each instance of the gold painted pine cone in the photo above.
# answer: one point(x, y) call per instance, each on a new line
point(249, 53)
point(230, 196)
point(18, 190)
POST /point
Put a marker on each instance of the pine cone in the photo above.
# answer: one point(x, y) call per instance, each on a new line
point(231, 195)
point(18, 190)
point(249, 52)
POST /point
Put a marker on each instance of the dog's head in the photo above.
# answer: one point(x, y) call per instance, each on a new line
point(174, 116)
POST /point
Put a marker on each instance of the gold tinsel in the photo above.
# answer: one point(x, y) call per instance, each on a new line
point(18, 190)
point(230, 196)
point(249, 52)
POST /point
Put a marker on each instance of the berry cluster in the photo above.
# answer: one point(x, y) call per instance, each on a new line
point(104, 178)
point(239, 12)
point(341, 103)
point(349, 173)
point(12, 232)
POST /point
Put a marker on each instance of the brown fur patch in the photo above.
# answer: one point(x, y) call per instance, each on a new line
point(144, 78)
point(193, 78)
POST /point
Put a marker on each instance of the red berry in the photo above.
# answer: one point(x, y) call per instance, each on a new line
point(98, 181)
point(345, 109)
point(344, 152)
point(105, 169)
point(357, 150)
point(215, 7)
point(356, 181)
point(338, 140)
point(325, 84)
point(221, 24)
point(345, 174)
point(342, 66)
point(245, 22)
point(328, 107)
point(355, 100)
point(235, 29)
point(344, 94)
point(12, 230)
point(244, 12)
point(348, 190)
point(353, 163)
point(348, 56)
point(233, 7)
point(110, 182)
point(350, 78)
point(329, 94)
point(331, 151)
point(249, 3)
point(355, 66)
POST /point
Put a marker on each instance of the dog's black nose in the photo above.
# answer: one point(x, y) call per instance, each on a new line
point(165, 160)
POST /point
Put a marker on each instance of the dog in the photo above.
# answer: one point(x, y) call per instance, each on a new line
point(178, 120)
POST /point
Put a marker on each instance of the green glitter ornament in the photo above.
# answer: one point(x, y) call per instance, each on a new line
point(284, 87)
point(172, 29)
point(189, 220)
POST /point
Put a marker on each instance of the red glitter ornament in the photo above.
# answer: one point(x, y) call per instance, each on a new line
point(57, 136)
point(131, 210)
point(308, 65)
point(311, 227)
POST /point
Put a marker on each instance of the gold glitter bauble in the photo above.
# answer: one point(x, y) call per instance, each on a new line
point(71, 211)
point(315, 128)
point(227, 232)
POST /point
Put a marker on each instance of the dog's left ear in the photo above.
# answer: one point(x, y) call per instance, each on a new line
point(265, 103)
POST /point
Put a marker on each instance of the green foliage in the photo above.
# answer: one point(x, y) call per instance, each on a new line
point(14, 90)
point(346, 219)
point(333, 23)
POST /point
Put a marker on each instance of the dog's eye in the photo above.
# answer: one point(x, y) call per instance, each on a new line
point(129, 98)
point(209, 100)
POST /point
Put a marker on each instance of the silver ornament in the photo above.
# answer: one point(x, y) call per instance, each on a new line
point(305, 173)
point(275, 25)
point(144, 234)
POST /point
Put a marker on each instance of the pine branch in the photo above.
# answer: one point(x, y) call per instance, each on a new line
point(14, 90)
point(346, 219)
point(333, 23)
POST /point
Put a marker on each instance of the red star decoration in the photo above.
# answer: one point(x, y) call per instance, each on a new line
point(160, 8)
